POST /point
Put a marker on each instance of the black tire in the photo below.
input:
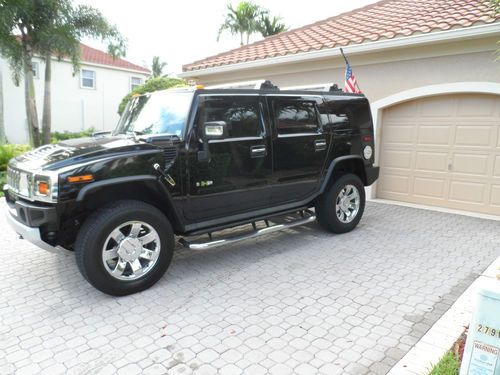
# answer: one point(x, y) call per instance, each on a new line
point(326, 205)
point(94, 233)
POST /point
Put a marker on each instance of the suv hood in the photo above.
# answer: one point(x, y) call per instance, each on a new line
point(76, 151)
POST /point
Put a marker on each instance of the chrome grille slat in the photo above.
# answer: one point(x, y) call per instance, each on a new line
point(19, 182)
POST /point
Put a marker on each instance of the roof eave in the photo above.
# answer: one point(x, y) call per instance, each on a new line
point(484, 30)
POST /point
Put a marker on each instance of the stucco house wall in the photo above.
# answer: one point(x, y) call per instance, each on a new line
point(74, 108)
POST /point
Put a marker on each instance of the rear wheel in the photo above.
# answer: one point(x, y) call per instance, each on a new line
point(340, 209)
point(125, 247)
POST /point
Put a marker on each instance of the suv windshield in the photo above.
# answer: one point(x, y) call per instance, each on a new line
point(163, 112)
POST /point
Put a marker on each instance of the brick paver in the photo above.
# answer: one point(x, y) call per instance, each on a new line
point(301, 301)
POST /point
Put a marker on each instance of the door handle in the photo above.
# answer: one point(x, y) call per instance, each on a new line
point(258, 151)
point(319, 145)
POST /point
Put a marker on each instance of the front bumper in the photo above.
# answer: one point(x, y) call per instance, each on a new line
point(32, 234)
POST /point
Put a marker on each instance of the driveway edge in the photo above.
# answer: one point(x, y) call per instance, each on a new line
point(443, 334)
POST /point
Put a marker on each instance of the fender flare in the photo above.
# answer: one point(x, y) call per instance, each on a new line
point(332, 166)
point(95, 186)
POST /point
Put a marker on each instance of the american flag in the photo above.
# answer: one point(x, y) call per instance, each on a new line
point(350, 81)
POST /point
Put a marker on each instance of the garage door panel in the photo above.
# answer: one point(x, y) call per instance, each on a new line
point(431, 161)
point(478, 106)
point(473, 135)
point(467, 192)
point(400, 134)
point(397, 159)
point(395, 184)
point(471, 164)
point(434, 135)
point(495, 195)
point(409, 111)
point(443, 151)
point(429, 187)
point(437, 106)
point(496, 170)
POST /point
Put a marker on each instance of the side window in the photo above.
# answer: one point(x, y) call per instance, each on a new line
point(295, 116)
point(339, 113)
point(241, 114)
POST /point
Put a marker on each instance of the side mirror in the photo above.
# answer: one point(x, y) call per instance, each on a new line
point(211, 130)
point(214, 130)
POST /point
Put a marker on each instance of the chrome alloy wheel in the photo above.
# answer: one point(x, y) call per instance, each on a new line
point(347, 204)
point(131, 250)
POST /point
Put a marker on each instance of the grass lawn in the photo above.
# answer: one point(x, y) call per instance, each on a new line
point(448, 365)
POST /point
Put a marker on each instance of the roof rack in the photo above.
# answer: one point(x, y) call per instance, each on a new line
point(268, 85)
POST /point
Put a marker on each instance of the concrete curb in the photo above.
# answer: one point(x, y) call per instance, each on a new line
point(443, 334)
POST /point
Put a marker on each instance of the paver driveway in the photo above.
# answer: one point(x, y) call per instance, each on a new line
point(301, 301)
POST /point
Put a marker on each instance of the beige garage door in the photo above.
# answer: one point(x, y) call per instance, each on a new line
point(442, 151)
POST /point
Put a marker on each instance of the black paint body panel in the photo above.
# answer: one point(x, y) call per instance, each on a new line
point(235, 184)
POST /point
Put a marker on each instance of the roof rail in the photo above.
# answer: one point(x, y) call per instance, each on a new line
point(268, 85)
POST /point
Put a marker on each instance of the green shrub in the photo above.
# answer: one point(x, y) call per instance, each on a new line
point(9, 151)
point(152, 84)
point(3, 181)
point(62, 136)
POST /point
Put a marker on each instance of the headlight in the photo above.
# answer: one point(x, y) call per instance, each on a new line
point(367, 152)
point(45, 188)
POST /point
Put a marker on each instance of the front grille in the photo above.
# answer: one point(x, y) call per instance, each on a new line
point(19, 182)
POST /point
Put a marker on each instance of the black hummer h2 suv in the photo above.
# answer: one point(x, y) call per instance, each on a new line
point(191, 161)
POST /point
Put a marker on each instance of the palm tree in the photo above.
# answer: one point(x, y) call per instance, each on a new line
point(243, 20)
point(270, 26)
point(157, 67)
point(48, 28)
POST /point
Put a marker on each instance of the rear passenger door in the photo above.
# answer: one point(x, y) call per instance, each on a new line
point(300, 146)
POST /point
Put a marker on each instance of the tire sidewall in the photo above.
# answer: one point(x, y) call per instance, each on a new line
point(92, 244)
point(326, 209)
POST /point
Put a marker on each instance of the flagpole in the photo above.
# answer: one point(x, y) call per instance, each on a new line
point(347, 63)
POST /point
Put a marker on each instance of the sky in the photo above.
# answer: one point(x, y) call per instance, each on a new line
point(183, 31)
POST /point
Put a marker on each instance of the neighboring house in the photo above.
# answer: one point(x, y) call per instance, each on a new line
point(429, 70)
point(87, 99)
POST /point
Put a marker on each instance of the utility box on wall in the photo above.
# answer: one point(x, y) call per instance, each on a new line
point(482, 349)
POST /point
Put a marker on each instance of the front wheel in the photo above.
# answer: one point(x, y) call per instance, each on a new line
point(340, 209)
point(124, 247)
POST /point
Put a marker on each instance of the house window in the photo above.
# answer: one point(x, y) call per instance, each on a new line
point(36, 70)
point(88, 79)
point(135, 81)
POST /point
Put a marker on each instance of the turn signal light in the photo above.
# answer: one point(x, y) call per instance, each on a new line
point(82, 178)
point(43, 188)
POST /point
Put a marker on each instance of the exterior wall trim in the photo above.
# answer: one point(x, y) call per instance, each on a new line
point(421, 92)
point(400, 42)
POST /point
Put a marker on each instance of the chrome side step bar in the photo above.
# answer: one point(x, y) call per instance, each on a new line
point(307, 216)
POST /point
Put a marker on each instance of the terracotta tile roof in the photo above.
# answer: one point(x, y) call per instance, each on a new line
point(385, 19)
point(92, 55)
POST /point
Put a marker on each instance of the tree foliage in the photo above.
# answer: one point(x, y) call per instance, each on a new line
point(242, 20)
point(153, 84)
point(249, 18)
point(48, 28)
point(157, 67)
point(270, 25)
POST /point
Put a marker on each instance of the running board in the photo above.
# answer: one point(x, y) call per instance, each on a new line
point(307, 216)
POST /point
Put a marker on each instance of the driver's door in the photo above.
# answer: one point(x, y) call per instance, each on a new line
point(235, 177)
